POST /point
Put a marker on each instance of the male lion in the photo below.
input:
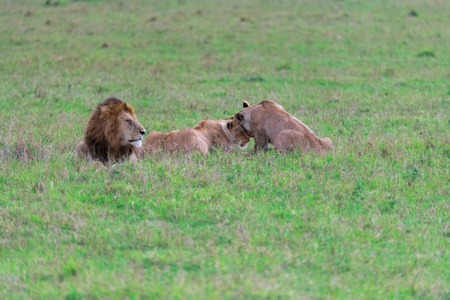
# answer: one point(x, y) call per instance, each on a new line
point(202, 137)
point(112, 133)
point(268, 122)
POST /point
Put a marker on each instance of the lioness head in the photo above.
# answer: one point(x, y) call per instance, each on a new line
point(240, 136)
point(122, 126)
point(240, 117)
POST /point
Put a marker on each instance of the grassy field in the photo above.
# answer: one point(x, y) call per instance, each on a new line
point(369, 220)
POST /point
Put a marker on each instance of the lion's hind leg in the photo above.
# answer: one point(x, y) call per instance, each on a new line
point(288, 140)
point(326, 143)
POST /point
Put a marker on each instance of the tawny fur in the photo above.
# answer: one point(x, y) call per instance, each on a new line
point(202, 137)
point(268, 122)
point(112, 133)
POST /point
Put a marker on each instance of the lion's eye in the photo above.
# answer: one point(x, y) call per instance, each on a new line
point(129, 121)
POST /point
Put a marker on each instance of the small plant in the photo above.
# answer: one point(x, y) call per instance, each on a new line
point(426, 53)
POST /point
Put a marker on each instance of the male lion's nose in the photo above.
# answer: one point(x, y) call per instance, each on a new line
point(142, 132)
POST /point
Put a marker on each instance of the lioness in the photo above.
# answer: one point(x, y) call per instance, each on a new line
point(268, 122)
point(112, 133)
point(202, 137)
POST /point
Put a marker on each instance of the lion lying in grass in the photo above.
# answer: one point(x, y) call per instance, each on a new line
point(202, 137)
point(112, 133)
point(268, 122)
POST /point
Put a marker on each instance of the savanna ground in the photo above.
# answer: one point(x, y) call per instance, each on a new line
point(367, 220)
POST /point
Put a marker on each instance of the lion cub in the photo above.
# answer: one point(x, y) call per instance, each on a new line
point(268, 122)
point(202, 137)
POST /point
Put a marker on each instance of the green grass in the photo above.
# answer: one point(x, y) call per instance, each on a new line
point(367, 220)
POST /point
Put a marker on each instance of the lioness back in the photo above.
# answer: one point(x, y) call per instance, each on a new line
point(185, 140)
point(153, 142)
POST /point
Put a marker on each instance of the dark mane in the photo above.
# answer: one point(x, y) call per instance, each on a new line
point(103, 129)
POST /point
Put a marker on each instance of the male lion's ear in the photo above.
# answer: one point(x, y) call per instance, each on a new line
point(105, 112)
point(127, 107)
point(245, 104)
point(230, 124)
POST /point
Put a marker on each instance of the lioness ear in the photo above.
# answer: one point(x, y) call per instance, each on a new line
point(239, 117)
point(245, 104)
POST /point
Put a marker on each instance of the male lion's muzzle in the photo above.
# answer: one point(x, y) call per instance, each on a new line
point(138, 142)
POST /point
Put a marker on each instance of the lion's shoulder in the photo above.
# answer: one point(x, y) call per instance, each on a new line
point(273, 107)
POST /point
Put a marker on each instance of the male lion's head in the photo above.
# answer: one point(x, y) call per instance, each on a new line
point(239, 135)
point(113, 130)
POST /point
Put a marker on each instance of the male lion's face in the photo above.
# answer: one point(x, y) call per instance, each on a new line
point(132, 131)
point(241, 137)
